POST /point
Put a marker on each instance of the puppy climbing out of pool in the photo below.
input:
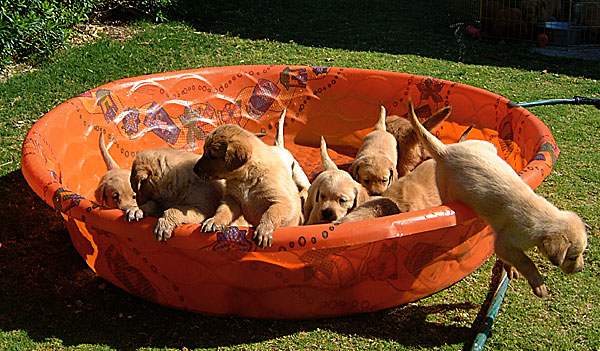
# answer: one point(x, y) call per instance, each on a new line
point(114, 189)
point(375, 164)
point(167, 188)
point(411, 151)
point(333, 193)
point(292, 165)
point(473, 173)
point(258, 184)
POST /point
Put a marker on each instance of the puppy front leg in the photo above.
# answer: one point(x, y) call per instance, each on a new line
point(227, 212)
point(277, 215)
point(523, 264)
point(174, 216)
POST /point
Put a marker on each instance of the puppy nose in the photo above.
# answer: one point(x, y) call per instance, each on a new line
point(328, 215)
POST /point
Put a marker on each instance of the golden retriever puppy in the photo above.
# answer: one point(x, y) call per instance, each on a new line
point(333, 193)
point(258, 186)
point(415, 191)
point(296, 170)
point(114, 189)
point(411, 151)
point(167, 188)
point(375, 164)
point(473, 173)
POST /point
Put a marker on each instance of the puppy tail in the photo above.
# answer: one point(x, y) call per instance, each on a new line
point(434, 121)
point(380, 125)
point(433, 144)
point(110, 163)
point(279, 136)
point(327, 163)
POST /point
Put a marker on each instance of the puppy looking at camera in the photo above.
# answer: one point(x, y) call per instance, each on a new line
point(259, 186)
point(296, 170)
point(333, 193)
point(114, 189)
point(473, 173)
point(417, 190)
point(167, 188)
point(375, 164)
point(411, 151)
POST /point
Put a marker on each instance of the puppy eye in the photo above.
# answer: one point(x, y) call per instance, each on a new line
point(367, 181)
point(134, 196)
point(384, 180)
point(115, 196)
point(322, 197)
point(342, 201)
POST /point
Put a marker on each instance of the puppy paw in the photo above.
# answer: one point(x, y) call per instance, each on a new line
point(134, 214)
point(263, 236)
point(541, 291)
point(511, 271)
point(163, 229)
point(212, 225)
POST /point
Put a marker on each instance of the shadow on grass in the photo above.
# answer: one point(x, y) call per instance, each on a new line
point(47, 290)
point(396, 27)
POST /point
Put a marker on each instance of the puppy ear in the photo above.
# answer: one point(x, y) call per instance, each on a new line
point(313, 197)
point(393, 176)
point(99, 194)
point(139, 176)
point(555, 247)
point(360, 195)
point(353, 170)
point(235, 156)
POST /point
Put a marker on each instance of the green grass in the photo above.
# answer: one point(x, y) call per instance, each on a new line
point(50, 300)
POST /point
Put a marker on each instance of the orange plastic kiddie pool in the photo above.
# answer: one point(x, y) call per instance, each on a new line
point(310, 271)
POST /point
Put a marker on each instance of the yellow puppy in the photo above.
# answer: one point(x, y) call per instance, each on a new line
point(259, 186)
point(333, 193)
point(375, 164)
point(114, 189)
point(415, 191)
point(167, 188)
point(473, 173)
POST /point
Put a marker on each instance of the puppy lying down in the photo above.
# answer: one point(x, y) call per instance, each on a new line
point(167, 188)
point(473, 173)
point(415, 191)
point(114, 189)
point(375, 164)
point(259, 186)
point(333, 193)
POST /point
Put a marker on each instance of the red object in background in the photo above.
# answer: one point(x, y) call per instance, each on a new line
point(473, 32)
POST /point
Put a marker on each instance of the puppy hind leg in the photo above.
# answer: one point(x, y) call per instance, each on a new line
point(523, 264)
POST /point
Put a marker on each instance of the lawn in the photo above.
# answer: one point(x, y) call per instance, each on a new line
point(50, 300)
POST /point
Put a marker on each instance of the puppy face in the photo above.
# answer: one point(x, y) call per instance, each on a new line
point(225, 150)
point(565, 249)
point(376, 173)
point(114, 190)
point(331, 196)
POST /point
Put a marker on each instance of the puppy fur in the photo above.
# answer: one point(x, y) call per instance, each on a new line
point(473, 173)
point(411, 151)
point(333, 193)
point(296, 170)
point(114, 189)
point(167, 187)
point(259, 186)
point(415, 191)
point(375, 164)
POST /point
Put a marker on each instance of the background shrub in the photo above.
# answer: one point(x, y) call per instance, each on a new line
point(32, 29)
